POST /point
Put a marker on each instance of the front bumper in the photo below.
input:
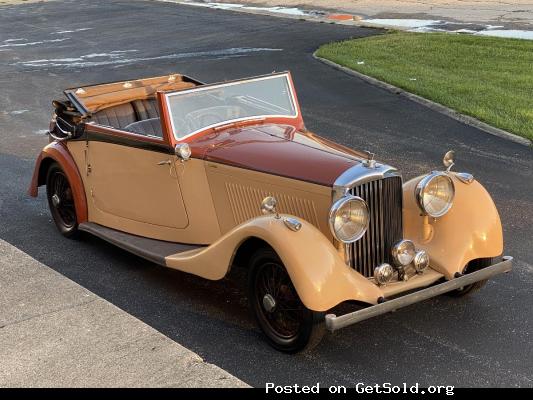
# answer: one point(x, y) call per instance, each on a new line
point(334, 323)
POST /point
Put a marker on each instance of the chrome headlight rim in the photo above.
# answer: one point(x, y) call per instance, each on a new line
point(333, 212)
point(424, 182)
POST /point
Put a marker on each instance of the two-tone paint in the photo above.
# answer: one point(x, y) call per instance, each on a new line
point(137, 185)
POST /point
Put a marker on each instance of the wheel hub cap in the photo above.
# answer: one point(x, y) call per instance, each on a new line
point(56, 200)
point(269, 303)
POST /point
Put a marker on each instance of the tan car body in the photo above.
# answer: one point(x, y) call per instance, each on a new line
point(205, 202)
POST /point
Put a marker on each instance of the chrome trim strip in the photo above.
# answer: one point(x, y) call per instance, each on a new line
point(334, 323)
point(359, 174)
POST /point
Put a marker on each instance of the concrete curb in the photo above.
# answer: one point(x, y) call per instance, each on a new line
point(465, 119)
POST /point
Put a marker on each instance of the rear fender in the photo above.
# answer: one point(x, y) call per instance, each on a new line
point(318, 273)
point(59, 153)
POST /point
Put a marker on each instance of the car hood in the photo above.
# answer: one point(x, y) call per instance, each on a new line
point(280, 150)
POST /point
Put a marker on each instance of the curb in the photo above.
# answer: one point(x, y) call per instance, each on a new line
point(465, 119)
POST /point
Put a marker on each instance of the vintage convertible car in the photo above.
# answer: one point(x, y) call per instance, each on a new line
point(204, 177)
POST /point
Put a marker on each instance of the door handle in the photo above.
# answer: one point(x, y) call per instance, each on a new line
point(166, 162)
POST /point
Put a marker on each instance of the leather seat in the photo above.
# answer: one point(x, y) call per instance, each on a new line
point(151, 127)
point(126, 114)
point(118, 116)
point(146, 109)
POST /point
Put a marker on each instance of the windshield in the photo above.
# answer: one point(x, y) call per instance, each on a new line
point(197, 109)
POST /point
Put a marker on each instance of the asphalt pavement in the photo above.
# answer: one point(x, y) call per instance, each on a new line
point(484, 340)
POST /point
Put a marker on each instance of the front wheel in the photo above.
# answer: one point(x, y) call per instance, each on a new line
point(473, 266)
point(288, 325)
point(61, 201)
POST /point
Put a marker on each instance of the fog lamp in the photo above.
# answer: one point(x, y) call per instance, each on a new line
point(421, 261)
point(383, 273)
point(403, 252)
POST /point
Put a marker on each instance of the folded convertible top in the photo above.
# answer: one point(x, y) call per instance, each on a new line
point(90, 99)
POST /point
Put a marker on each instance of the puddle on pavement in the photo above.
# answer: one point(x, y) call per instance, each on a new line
point(423, 25)
point(509, 33)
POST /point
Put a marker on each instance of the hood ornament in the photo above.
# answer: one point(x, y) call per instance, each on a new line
point(369, 162)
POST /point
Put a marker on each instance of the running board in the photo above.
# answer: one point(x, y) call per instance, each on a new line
point(150, 249)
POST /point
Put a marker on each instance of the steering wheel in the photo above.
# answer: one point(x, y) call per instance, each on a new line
point(194, 123)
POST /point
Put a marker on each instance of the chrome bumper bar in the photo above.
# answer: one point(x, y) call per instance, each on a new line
point(334, 323)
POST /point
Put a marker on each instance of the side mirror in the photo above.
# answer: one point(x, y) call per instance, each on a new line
point(449, 160)
point(183, 151)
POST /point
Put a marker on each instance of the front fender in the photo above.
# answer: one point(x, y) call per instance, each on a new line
point(318, 273)
point(57, 152)
point(470, 230)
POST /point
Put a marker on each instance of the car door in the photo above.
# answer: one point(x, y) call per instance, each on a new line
point(133, 183)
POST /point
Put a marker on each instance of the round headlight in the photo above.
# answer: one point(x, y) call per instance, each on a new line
point(348, 219)
point(435, 194)
point(403, 252)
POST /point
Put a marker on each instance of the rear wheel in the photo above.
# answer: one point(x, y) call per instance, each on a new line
point(61, 201)
point(473, 266)
point(288, 325)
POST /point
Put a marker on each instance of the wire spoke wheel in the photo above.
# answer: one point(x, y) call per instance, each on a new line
point(61, 201)
point(286, 315)
point(288, 325)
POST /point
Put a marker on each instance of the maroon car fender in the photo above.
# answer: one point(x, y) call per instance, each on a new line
point(59, 153)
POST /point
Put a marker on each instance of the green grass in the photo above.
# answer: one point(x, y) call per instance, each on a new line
point(490, 79)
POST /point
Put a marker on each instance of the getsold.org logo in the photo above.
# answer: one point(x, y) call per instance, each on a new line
point(361, 388)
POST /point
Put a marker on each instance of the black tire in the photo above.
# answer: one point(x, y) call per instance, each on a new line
point(61, 201)
point(289, 326)
point(472, 266)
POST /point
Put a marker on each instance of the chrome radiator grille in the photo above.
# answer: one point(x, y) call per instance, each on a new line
point(384, 199)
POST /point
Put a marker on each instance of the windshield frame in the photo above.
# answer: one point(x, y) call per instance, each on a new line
point(260, 118)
